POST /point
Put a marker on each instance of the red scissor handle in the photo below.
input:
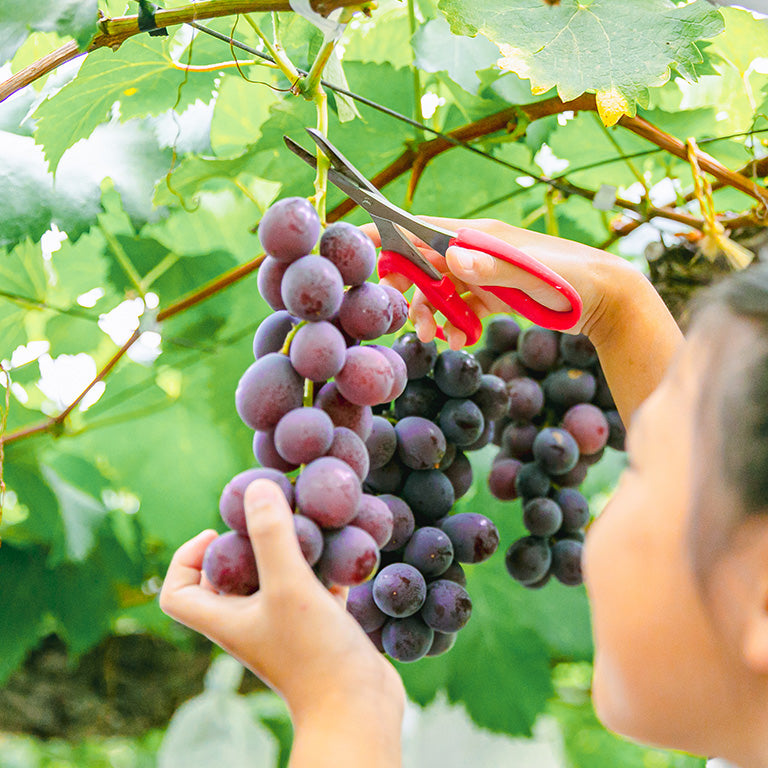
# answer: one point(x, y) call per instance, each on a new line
point(444, 297)
point(520, 301)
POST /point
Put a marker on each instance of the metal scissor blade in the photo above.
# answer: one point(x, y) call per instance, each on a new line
point(297, 149)
point(340, 163)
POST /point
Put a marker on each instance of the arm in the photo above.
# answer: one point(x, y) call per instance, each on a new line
point(346, 700)
point(633, 331)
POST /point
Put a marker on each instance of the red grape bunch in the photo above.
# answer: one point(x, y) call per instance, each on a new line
point(308, 398)
point(561, 416)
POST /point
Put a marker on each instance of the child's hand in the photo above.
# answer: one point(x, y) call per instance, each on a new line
point(592, 272)
point(293, 633)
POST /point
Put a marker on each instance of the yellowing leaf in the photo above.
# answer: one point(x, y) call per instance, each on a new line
point(611, 105)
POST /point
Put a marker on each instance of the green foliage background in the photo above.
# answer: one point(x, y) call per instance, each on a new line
point(158, 177)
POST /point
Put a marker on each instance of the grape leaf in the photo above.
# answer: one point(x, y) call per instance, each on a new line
point(615, 48)
point(78, 18)
point(437, 50)
point(140, 75)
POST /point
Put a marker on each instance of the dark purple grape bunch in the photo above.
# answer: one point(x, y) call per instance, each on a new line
point(561, 417)
point(308, 396)
point(418, 601)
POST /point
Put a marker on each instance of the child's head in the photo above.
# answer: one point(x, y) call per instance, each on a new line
point(677, 564)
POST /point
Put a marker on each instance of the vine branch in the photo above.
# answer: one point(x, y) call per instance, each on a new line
point(114, 31)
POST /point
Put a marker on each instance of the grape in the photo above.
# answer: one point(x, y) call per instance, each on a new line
point(442, 643)
point(460, 475)
point(373, 515)
point(366, 311)
point(403, 522)
point(381, 443)
point(526, 398)
point(532, 480)
point(592, 458)
point(419, 356)
point(474, 537)
point(461, 421)
point(588, 426)
point(454, 572)
point(429, 550)
point(271, 333)
point(303, 435)
point(269, 280)
point(229, 564)
point(266, 454)
point(312, 288)
point(387, 479)
point(267, 390)
point(420, 443)
point(556, 450)
point(603, 397)
point(347, 446)
point(351, 250)
point(366, 378)
point(399, 309)
point(360, 604)
point(492, 398)
point(517, 441)
point(358, 418)
point(398, 369)
point(399, 590)
point(457, 373)
point(528, 560)
point(575, 476)
point(429, 494)
point(502, 479)
point(617, 434)
point(421, 397)
point(577, 351)
point(447, 607)
point(449, 457)
point(508, 367)
point(566, 562)
point(231, 501)
point(483, 440)
point(318, 351)
point(310, 538)
point(328, 491)
point(407, 639)
point(575, 509)
point(501, 334)
point(538, 348)
point(289, 229)
point(569, 386)
point(375, 638)
point(350, 556)
point(486, 358)
point(542, 516)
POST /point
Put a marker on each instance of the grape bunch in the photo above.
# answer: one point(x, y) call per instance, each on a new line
point(560, 418)
point(417, 602)
point(308, 398)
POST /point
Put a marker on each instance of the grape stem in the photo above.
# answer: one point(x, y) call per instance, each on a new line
point(309, 393)
point(289, 338)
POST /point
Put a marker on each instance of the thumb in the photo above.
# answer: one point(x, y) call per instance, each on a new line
point(479, 268)
point(272, 533)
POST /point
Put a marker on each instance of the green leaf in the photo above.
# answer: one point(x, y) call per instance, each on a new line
point(23, 595)
point(437, 50)
point(140, 75)
point(381, 39)
point(609, 47)
point(346, 108)
point(78, 18)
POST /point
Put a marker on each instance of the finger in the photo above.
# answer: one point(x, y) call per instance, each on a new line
point(273, 535)
point(479, 268)
point(372, 231)
point(457, 339)
point(187, 563)
point(399, 282)
point(421, 314)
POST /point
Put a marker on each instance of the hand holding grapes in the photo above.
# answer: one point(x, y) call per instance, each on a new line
point(293, 633)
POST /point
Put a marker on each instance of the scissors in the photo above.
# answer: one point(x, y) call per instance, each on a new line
point(399, 255)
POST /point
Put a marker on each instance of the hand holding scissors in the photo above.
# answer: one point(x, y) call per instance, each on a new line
point(400, 256)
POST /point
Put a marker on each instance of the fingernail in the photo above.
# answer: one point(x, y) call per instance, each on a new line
point(466, 260)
